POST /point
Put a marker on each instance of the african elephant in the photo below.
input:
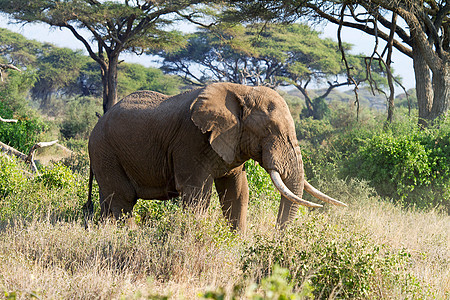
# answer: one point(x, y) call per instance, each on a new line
point(153, 146)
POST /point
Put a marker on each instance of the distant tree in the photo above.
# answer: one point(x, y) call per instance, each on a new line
point(22, 52)
point(89, 80)
point(135, 77)
point(263, 54)
point(115, 26)
point(56, 70)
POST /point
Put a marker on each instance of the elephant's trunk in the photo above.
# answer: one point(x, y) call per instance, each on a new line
point(291, 186)
point(286, 172)
point(284, 190)
point(288, 207)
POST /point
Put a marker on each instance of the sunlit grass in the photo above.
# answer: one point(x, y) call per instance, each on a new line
point(372, 249)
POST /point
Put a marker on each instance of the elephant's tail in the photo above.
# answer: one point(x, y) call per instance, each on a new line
point(88, 207)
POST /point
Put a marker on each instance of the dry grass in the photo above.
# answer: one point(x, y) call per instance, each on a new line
point(424, 235)
point(182, 255)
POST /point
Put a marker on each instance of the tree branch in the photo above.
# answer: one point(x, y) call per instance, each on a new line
point(362, 27)
point(7, 66)
point(26, 158)
point(8, 120)
point(92, 54)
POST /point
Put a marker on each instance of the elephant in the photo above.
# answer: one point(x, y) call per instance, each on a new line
point(154, 146)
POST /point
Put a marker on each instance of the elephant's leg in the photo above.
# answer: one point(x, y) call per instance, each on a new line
point(117, 194)
point(233, 195)
point(197, 195)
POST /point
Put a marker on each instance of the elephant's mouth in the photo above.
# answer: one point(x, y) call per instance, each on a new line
point(284, 190)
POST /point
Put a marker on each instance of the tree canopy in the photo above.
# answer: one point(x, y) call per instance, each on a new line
point(418, 29)
point(63, 73)
point(266, 54)
point(114, 26)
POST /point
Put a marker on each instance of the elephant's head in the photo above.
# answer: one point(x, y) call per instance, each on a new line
point(255, 122)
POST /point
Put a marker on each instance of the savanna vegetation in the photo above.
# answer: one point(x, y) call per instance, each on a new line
point(392, 242)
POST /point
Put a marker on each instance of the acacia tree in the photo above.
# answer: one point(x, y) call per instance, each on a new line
point(419, 29)
point(425, 39)
point(114, 26)
point(56, 69)
point(262, 54)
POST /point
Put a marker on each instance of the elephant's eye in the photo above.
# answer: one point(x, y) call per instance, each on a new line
point(271, 107)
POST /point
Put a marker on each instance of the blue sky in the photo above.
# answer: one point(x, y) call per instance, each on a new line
point(362, 44)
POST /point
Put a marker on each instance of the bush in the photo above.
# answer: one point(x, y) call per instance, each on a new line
point(259, 181)
point(413, 166)
point(402, 161)
point(12, 178)
point(26, 132)
point(79, 118)
point(334, 261)
point(57, 176)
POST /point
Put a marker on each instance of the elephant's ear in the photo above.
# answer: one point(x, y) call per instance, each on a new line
point(218, 110)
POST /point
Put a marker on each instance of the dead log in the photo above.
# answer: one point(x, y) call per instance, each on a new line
point(8, 120)
point(7, 66)
point(12, 152)
point(26, 158)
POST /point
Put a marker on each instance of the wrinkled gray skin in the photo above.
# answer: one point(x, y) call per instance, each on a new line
point(153, 146)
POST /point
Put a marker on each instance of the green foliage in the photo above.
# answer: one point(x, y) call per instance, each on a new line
point(22, 51)
point(56, 193)
point(79, 118)
point(313, 130)
point(270, 53)
point(57, 176)
point(259, 182)
point(332, 261)
point(412, 165)
point(116, 27)
point(134, 77)
point(23, 134)
point(319, 109)
point(57, 69)
point(153, 210)
point(403, 162)
point(12, 179)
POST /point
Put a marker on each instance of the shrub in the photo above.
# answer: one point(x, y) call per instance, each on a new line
point(333, 260)
point(153, 210)
point(315, 131)
point(23, 134)
point(259, 181)
point(412, 165)
point(79, 118)
point(12, 178)
point(396, 165)
point(57, 176)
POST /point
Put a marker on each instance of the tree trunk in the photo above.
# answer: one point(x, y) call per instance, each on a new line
point(424, 89)
point(109, 82)
point(105, 88)
point(441, 89)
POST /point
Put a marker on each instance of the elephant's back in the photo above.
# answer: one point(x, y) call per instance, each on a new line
point(142, 100)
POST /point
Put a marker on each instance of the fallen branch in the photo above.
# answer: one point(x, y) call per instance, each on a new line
point(30, 157)
point(26, 158)
point(8, 120)
point(11, 151)
point(7, 66)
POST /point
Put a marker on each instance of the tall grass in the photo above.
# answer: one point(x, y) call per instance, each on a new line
point(372, 249)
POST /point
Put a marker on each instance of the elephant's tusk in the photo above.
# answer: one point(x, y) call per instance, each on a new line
point(321, 196)
point(284, 190)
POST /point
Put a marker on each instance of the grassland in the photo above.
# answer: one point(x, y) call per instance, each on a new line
point(371, 250)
